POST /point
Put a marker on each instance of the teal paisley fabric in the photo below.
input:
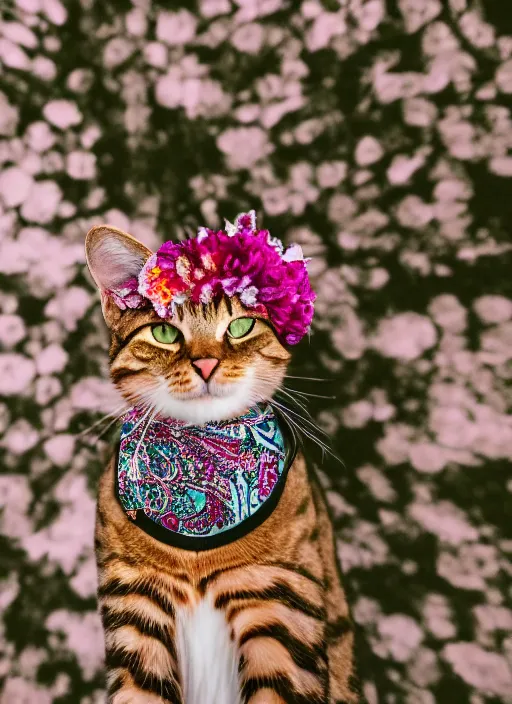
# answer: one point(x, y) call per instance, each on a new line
point(206, 481)
point(378, 135)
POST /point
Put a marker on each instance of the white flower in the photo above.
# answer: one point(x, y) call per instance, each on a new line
point(403, 167)
point(13, 56)
point(275, 200)
point(370, 14)
point(448, 313)
point(419, 112)
point(47, 388)
point(44, 68)
point(438, 617)
point(62, 113)
point(16, 374)
point(169, 89)
point(230, 229)
point(83, 637)
point(325, 26)
point(12, 329)
point(39, 136)
point(69, 306)
point(51, 359)
point(206, 293)
point(136, 22)
point(17, 689)
point(20, 437)
point(418, 12)
point(204, 98)
point(95, 394)
point(368, 151)
point(89, 136)
point(15, 185)
point(427, 457)
point(116, 52)
point(249, 296)
point(293, 253)
point(276, 243)
point(42, 202)
point(400, 635)
point(19, 33)
point(55, 11)
point(479, 33)
point(331, 173)
point(405, 336)
point(155, 54)
point(493, 309)
point(414, 213)
point(59, 448)
point(81, 165)
point(501, 165)
point(357, 414)
point(470, 566)
point(175, 28)
point(504, 77)
point(445, 520)
point(244, 146)
point(248, 38)
point(85, 582)
point(211, 8)
point(80, 80)
point(488, 672)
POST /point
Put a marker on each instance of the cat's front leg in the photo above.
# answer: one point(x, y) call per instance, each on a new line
point(277, 619)
point(138, 616)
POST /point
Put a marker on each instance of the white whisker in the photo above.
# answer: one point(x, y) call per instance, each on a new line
point(306, 378)
point(307, 394)
point(116, 413)
point(308, 419)
point(307, 431)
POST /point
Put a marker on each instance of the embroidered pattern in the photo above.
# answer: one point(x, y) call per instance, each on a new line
point(199, 480)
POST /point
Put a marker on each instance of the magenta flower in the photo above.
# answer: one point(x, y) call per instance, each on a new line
point(238, 261)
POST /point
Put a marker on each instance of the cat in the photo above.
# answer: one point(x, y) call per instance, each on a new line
point(263, 619)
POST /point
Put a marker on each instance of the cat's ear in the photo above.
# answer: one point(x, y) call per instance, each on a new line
point(113, 257)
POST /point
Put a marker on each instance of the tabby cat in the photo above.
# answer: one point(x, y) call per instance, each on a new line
point(262, 619)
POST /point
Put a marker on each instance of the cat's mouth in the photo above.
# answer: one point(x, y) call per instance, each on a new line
point(210, 401)
point(210, 390)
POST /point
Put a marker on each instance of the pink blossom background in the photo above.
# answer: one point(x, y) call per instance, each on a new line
point(378, 135)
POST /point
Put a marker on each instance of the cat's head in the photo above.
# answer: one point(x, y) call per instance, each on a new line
point(207, 362)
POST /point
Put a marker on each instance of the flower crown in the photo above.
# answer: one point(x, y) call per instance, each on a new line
point(238, 261)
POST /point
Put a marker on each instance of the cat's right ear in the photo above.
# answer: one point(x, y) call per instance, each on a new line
point(113, 257)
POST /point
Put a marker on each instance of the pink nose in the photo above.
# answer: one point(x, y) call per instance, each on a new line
point(206, 366)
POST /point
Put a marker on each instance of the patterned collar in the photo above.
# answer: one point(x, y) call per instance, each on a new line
point(199, 487)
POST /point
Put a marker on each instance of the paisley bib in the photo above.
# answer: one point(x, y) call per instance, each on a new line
point(201, 486)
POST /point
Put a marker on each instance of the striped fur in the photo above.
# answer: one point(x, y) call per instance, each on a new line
point(269, 609)
point(277, 588)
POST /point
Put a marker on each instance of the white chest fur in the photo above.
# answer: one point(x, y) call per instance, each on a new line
point(208, 657)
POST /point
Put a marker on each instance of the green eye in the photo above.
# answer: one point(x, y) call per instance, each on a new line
point(166, 334)
point(241, 327)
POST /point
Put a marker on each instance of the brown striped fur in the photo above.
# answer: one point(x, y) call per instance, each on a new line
point(278, 587)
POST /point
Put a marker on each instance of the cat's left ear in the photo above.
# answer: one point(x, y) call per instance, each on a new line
point(113, 257)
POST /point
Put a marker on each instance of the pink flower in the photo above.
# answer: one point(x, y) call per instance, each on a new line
point(127, 296)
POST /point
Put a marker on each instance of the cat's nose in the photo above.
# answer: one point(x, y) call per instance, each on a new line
point(206, 366)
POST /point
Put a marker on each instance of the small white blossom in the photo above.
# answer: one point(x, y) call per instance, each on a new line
point(62, 113)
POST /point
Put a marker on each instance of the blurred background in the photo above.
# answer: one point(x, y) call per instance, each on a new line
point(378, 135)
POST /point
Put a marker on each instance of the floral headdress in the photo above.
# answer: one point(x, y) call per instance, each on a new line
point(238, 261)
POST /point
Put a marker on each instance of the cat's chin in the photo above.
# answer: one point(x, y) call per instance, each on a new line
point(204, 407)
